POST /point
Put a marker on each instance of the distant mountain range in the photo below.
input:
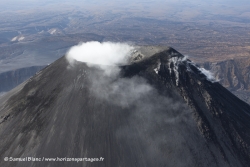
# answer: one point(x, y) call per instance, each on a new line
point(11, 79)
point(234, 74)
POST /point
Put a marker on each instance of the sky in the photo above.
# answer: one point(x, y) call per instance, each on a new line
point(195, 4)
point(177, 10)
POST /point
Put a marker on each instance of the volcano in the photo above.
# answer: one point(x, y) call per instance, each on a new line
point(158, 110)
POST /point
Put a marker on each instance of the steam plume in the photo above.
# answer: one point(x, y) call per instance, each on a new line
point(106, 53)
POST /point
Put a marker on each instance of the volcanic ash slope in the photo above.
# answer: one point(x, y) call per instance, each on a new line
point(159, 110)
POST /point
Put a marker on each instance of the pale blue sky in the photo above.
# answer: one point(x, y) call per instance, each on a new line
point(162, 9)
point(19, 4)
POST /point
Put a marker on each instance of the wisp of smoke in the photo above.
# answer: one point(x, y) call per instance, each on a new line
point(208, 74)
point(106, 53)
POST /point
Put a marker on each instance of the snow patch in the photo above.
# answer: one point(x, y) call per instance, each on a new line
point(17, 38)
point(157, 68)
point(21, 38)
point(14, 39)
point(176, 61)
point(52, 31)
point(41, 32)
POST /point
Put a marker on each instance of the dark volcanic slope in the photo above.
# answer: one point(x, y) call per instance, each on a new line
point(161, 111)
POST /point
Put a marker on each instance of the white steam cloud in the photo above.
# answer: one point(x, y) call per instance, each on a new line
point(106, 53)
point(208, 74)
